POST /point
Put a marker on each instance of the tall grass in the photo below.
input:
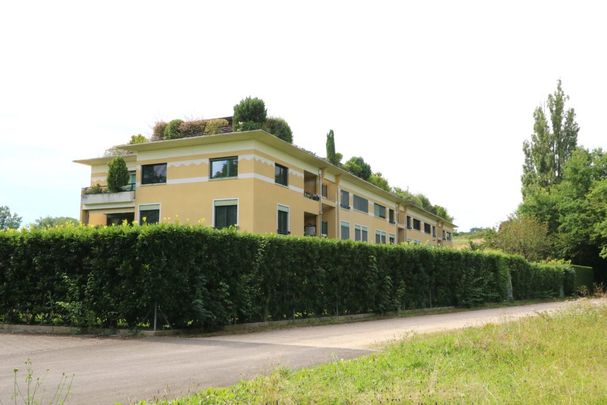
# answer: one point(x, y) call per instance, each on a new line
point(546, 359)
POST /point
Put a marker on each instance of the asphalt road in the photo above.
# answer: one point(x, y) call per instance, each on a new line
point(109, 370)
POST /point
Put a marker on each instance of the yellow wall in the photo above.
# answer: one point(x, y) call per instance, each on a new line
point(188, 195)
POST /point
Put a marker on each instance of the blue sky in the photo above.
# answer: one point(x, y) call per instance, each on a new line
point(438, 96)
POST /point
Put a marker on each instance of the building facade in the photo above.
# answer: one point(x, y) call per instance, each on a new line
point(258, 183)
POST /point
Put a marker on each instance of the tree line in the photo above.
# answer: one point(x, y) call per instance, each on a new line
point(563, 213)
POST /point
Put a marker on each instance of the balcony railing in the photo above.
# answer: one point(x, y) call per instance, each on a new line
point(311, 196)
point(99, 195)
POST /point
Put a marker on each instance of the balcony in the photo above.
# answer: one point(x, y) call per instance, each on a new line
point(99, 196)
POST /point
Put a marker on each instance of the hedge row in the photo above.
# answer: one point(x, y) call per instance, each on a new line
point(200, 277)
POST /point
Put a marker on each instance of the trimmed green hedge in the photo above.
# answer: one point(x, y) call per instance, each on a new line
point(201, 277)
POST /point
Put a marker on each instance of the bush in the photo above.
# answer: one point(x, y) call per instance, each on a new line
point(118, 175)
point(249, 113)
point(158, 132)
point(214, 126)
point(201, 277)
point(171, 131)
point(192, 128)
point(279, 128)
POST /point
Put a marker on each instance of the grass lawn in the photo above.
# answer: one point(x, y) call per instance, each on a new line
point(546, 359)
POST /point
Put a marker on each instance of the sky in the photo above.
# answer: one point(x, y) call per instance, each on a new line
point(438, 96)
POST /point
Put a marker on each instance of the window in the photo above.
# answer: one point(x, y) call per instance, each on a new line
point(409, 222)
point(433, 231)
point(153, 174)
point(380, 237)
point(444, 236)
point(149, 214)
point(361, 233)
point(392, 239)
point(132, 179)
point(119, 218)
point(345, 200)
point(448, 235)
point(391, 216)
point(345, 230)
point(324, 228)
point(360, 203)
point(224, 167)
point(283, 220)
point(281, 174)
point(417, 225)
point(380, 211)
point(325, 191)
point(226, 213)
point(427, 228)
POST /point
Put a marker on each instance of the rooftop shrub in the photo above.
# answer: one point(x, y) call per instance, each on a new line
point(279, 128)
point(250, 113)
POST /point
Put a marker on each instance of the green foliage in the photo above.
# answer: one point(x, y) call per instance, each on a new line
point(249, 113)
point(118, 175)
point(49, 222)
point(522, 235)
point(191, 128)
point(8, 220)
point(575, 209)
point(421, 201)
point(172, 130)
point(378, 180)
point(358, 167)
point(552, 358)
point(279, 128)
point(214, 126)
point(332, 156)
point(201, 277)
point(551, 143)
point(135, 139)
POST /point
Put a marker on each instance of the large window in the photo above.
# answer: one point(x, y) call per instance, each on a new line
point(281, 174)
point(391, 216)
point(380, 237)
point(427, 228)
point(224, 167)
point(361, 233)
point(380, 211)
point(152, 174)
point(120, 218)
point(226, 213)
point(283, 220)
point(417, 225)
point(149, 214)
point(344, 201)
point(345, 230)
point(360, 203)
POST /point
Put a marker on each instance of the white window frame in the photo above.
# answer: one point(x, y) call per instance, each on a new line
point(226, 200)
point(287, 209)
point(342, 223)
point(361, 228)
point(159, 208)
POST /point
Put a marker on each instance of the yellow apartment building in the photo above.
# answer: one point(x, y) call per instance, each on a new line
point(258, 183)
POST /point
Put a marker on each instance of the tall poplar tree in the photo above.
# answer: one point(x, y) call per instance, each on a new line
point(552, 143)
point(331, 157)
